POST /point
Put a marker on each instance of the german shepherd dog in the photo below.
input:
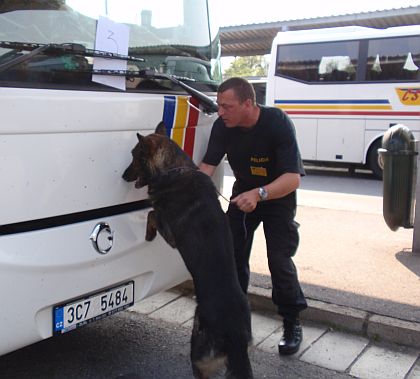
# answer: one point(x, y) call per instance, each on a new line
point(187, 213)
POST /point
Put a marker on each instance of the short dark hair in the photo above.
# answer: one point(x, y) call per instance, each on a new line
point(241, 87)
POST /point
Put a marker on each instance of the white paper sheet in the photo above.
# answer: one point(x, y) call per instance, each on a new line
point(113, 38)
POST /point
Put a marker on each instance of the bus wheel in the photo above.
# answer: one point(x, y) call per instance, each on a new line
point(373, 159)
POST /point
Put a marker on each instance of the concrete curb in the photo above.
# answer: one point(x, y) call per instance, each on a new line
point(373, 326)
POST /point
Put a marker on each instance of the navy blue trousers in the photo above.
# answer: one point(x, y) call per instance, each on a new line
point(282, 240)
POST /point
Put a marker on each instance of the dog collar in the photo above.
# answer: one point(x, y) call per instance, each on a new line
point(172, 172)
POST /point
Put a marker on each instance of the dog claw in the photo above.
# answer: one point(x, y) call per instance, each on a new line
point(150, 236)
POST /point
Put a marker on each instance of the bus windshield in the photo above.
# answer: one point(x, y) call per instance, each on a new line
point(172, 37)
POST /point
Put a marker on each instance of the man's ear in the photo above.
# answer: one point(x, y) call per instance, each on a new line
point(249, 103)
point(161, 129)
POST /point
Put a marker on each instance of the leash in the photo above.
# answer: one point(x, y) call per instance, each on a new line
point(243, 216)
point(223, 197)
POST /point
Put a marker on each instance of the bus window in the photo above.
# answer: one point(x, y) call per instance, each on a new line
point(393, 59)
point(337, 68)
point(319, 62)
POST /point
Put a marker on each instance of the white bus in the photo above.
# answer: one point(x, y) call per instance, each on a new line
point(72, 246)
point(344, 87)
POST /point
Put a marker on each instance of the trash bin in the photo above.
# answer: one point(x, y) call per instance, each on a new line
point(399, 159)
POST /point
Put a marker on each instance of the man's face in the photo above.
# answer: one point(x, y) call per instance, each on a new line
point(231, 110)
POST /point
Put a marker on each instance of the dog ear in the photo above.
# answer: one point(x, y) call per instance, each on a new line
point(161, 129)
point(140, 137)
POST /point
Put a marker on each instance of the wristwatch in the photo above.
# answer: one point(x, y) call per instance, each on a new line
point(262, 192)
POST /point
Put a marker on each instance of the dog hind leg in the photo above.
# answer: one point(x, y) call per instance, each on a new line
point(197, 340)
point(238, 364)
point(206, 359)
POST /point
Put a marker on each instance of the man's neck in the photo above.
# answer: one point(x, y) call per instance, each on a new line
point(252, 118)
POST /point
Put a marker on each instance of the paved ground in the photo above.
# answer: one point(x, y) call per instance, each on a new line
point(347, 254)
point(340, 352)
point(356, 273)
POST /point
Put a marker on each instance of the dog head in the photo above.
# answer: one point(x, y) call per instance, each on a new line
point(154, 155)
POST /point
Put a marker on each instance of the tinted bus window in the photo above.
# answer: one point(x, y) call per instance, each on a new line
point(319, 62)
point(395, 58)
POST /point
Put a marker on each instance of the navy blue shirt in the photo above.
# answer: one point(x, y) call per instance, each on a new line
point(257, 155)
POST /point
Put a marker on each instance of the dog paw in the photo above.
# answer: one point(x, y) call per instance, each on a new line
point(150, 235)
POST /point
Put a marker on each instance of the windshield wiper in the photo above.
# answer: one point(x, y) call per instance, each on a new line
point(56, 49)
point(209, 105)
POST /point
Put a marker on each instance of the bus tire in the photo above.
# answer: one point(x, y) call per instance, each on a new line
point(373, 159)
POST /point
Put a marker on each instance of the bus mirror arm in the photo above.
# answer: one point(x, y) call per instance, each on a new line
point(209, 105)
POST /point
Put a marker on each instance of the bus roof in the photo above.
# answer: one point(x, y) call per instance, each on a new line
point(342, 33)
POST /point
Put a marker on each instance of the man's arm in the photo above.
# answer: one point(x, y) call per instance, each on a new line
point(280, 187)
point(283, 185)
point(207, 168)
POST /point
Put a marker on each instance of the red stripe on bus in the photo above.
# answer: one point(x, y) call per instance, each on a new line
point(356, 113)
point(190, 130)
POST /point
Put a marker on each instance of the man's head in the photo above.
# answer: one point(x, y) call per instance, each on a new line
point(236, 100)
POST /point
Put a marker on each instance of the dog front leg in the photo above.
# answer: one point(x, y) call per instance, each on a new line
point(151, 227)
point(154, 223)
point(165, 231)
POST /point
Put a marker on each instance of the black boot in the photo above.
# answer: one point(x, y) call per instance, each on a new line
point(292, 337)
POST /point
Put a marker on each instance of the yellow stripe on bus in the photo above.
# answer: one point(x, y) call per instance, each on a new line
point(180, 120)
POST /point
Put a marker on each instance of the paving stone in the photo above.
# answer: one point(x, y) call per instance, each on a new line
point(335, 350)
point(154, 302)
point(403, 332)
point(189, 323)
point(310, 334)
point(382, 363)
point(351, 319)
point(178, 311)
point(262, 327)
point(415, 371)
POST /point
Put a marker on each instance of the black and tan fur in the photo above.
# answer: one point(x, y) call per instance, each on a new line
point(188, 215)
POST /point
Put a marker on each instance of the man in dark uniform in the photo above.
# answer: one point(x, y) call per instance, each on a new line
point(260, 144)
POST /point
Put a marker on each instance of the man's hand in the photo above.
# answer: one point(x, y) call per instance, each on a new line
point(247, 201)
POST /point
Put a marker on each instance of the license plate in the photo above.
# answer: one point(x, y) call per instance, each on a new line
point(82, 311)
